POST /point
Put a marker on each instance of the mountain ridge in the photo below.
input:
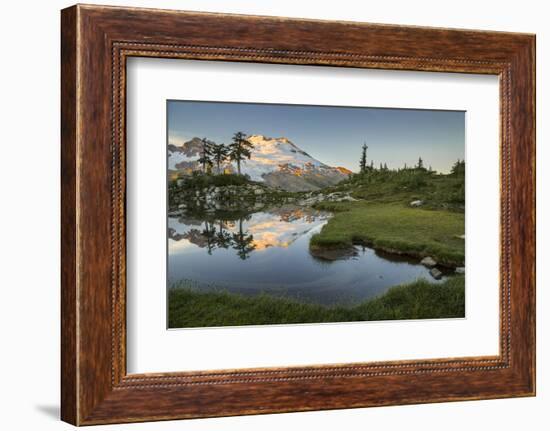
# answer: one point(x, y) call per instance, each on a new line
point(278, 162)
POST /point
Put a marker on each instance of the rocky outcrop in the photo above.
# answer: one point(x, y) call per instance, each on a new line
point(253, 196)
point(303, 178)
point(249, 197)
point(315, 198)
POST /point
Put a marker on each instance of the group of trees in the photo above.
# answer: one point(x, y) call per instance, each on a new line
point(217, 236)
point(363, 167)
point(217, 154)
point(459, 168)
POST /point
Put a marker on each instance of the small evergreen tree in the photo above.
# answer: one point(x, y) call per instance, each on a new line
point(420, 164)
point(219, 155)
point(205, 154)
point(385, 167)
point(459, 168)
point(240, 149)
point(363, 159)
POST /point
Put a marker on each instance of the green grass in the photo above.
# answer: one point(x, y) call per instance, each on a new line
point(419, 300)
point(394, 228)
point(437, 191)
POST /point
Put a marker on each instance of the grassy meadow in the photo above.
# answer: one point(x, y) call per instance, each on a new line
point(394, 228)
point(383, 217)
point(190, 308)
point(411, 211)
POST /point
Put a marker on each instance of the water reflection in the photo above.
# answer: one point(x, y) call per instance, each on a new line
point(244, 233)
point(269, 252)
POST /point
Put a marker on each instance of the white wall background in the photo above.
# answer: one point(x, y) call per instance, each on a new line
point(29, 226)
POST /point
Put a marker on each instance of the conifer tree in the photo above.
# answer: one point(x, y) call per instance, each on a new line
point(363, 159)
point(459, 168)
point(240, 149)
point(205, 154)
point(219, 154)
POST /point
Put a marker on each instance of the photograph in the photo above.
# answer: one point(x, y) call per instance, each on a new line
point(288, 214)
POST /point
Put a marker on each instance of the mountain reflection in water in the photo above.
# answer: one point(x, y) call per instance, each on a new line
point(269, 252)
point(247, 233)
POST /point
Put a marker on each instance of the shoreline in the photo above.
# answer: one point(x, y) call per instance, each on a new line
point(417, 300)
point(394, 229)
point(338, 252)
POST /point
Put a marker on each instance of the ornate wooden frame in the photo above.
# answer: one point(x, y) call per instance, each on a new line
point(95, 43)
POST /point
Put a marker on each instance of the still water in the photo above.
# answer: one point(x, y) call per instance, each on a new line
point(269, 252)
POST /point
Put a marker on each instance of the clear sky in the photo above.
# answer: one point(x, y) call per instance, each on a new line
point(332, 135)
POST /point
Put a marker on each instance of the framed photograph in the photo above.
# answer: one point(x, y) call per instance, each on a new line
point(266, 215)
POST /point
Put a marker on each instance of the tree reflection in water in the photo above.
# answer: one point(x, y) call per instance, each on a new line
point(237, 230)
point(243, 242)
point(216, 235)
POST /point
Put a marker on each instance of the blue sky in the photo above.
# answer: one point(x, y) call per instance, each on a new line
point(333, 135)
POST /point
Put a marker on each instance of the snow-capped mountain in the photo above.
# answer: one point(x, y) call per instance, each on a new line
point(278, 162)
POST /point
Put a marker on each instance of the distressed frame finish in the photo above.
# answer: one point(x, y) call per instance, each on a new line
point(95, 42)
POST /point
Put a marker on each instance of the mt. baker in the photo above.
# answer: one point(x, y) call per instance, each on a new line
point(275, 161)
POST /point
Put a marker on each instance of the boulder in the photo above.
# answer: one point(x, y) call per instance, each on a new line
point(335, 196)
point(416, 203)
point(346, 199)
point(436, 273)
point(460, 270)
point(428, 261)
point(309, 201)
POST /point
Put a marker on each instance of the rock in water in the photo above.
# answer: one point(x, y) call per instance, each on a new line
point(428, 261)
point(436, 273)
